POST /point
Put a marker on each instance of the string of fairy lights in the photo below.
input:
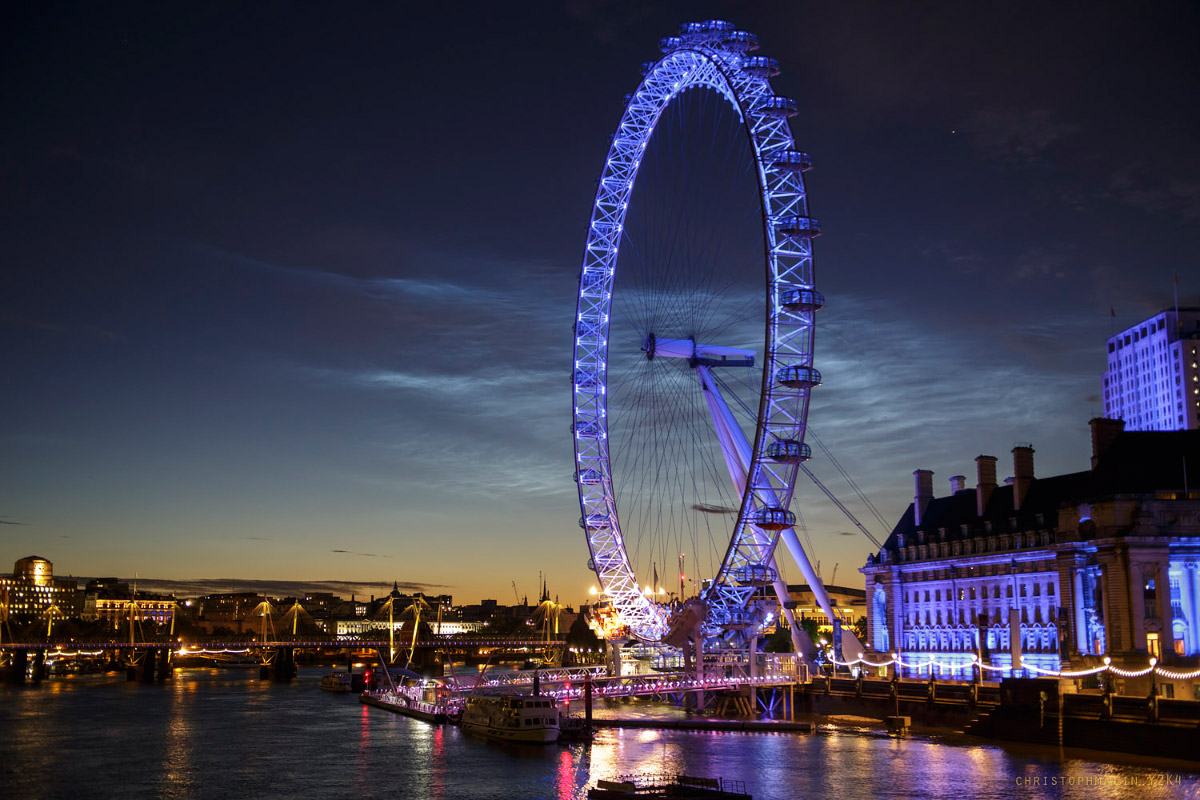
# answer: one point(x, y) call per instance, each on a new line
point(1107, 666)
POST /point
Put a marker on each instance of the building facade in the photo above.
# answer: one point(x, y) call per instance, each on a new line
point(32, 590)
point(847, 602)
point(1059, 571)
point(111, 600)
point(1153, 376)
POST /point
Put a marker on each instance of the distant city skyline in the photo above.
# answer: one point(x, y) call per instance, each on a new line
point(290, 295)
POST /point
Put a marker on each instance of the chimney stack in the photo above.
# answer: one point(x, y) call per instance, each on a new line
point(957, 483)
point(987, 482)
point(924, 493)
point(1022, 473)
point(1103, 433)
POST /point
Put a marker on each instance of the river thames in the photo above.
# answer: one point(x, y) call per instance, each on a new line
point(226, 734)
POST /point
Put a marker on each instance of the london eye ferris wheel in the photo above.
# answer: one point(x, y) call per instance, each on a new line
point(694, 333)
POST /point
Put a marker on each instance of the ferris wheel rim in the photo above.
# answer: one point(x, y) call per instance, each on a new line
point(704, 61)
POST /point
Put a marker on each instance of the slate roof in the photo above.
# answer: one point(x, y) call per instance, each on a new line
point(1136, 463)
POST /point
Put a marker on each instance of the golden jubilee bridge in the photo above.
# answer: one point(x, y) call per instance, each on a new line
point(151, 659)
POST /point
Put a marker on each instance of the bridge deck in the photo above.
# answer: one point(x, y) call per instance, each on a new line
point(197, 648)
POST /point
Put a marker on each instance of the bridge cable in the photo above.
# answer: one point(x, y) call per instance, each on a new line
point(820, 485)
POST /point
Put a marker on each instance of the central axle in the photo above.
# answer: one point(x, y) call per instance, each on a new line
point(698, 355)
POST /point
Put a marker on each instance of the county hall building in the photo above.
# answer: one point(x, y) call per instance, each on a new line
point(1058, 571)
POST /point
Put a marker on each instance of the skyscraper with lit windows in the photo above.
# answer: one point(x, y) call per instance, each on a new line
point(1153, 376)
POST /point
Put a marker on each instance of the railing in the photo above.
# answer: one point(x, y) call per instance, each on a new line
point(667, 683)
point(196, 648)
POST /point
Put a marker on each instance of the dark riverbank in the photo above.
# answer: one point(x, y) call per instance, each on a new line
point(1021, 710)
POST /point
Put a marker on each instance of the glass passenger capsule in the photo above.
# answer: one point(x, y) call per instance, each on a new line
point(595, 522)
point(799, 227)
point(779, 107)
point(754, 575)
point(588, 477)
point(708, 29)
point(792, 161)
point(802, 299)
point(798, 377)
point(789, 451)
point(774, 519)
point(669, 43)
point(760, 66)
point(738, 41)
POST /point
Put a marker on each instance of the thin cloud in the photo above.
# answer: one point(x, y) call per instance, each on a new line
point(367, 555)
point(1141, 185)
point(281, 588)
point(379, 287)
point(708, 508)
point(1017, 134)
point(20, 321)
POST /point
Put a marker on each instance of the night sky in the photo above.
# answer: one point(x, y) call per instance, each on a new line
point(288, 288)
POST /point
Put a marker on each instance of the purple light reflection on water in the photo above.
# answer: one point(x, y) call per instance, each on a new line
point(215, 735)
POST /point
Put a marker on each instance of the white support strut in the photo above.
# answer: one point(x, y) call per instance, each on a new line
point(732, 438)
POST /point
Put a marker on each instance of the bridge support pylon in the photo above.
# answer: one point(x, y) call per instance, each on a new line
point(18, 664)
point(284, 665)
point(163, 671)
point(149, 661)
point(587, 706)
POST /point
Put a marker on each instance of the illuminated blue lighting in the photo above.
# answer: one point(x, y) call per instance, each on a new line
point(709, 54)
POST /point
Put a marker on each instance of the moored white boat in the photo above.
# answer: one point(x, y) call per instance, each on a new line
point(343, 682)
point(529, 719)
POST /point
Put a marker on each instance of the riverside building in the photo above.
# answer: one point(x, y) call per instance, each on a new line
point(1058, 571)
point(111, 600)
point(1153, 376)
point(32, 590)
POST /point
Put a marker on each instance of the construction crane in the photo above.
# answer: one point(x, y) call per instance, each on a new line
point(516, 594)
